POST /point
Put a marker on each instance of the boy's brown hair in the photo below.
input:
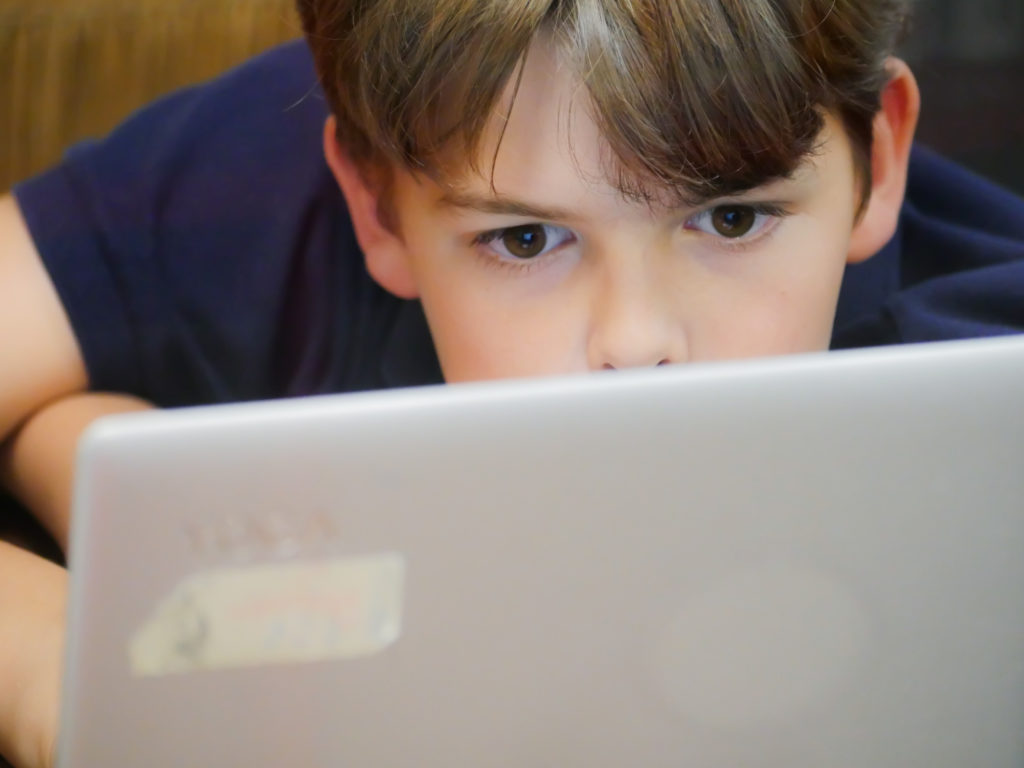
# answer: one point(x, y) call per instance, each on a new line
point(696, 98)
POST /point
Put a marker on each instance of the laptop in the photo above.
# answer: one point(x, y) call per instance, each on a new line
point(786, 563)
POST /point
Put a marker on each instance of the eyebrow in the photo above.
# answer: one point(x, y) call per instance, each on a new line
point(502, 206)
point(508, 206)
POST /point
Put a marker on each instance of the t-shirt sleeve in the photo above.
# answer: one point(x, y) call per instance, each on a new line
point(202, 251)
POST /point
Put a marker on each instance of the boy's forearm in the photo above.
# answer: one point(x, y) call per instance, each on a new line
point(33, 596)
point(37, 463)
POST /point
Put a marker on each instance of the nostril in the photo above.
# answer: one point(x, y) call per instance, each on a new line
point(610, 367)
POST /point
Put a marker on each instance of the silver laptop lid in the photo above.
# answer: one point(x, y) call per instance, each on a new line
point(799, 562)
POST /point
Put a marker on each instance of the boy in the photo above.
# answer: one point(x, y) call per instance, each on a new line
point(510, 189)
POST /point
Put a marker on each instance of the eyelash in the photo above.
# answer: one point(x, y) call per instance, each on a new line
point(774, 211)
point(521, 266)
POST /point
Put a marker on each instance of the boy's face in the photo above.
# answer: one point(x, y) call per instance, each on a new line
point(552, 271)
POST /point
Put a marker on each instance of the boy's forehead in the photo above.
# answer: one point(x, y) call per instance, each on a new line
point(541, 129)
point(541, 186)
point(540, 143)
point(542, 151)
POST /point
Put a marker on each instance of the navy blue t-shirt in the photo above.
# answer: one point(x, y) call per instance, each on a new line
point(204, 253)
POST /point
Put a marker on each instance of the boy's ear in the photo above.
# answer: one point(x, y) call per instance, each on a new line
point(894, 129)
point(383, 248)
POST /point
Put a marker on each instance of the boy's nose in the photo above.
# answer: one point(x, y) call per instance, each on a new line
point(634, 324)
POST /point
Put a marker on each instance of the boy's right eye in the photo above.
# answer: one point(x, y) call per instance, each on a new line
point(526, 242)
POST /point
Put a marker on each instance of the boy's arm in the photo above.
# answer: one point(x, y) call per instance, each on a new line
point(39, 357)
point(37, 464)
point(33, 593)
point(39, 361)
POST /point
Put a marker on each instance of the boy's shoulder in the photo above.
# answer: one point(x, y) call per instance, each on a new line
point(954, 270)
point(202, 250)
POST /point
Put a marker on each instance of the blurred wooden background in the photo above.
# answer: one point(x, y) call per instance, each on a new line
point(74, 68)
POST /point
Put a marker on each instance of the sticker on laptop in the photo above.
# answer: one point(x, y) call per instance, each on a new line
point(282, 613)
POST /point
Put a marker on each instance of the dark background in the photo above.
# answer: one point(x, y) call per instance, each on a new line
point(968, 56)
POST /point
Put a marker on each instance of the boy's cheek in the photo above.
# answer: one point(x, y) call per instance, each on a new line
point(478, 341)
point(765, 336)
point(788, 316)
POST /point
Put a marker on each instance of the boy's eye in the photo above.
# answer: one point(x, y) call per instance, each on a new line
point(525, 242)
point(734, 222)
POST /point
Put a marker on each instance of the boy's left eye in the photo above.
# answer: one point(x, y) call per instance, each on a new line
point(735, 222)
